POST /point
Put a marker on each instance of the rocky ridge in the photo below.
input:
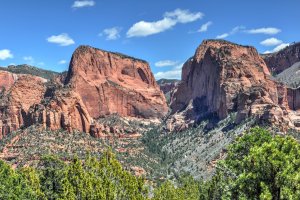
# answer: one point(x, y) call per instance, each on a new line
point(98, 84)
point(223, 77)
point(283, 59)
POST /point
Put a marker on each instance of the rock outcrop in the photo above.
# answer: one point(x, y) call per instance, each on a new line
point(64, 110)
point(7, 79)
point(98, 84)
point(23, 92)
point(223, 77)
point(283, 59)
point(167, 85)
point(110, 83)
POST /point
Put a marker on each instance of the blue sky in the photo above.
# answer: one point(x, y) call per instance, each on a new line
point(166, 33)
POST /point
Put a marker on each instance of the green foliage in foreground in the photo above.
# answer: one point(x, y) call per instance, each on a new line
point(258, 166)
point(91, 179)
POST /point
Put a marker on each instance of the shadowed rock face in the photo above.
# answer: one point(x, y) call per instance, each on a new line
point(281, 60)
point(111, 83)
point(223, 77)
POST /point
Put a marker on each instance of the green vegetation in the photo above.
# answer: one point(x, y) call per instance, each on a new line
point(54, 179)
point(27, 69)
point(258, 165)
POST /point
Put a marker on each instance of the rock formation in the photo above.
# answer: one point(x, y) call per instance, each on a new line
point(167, 85)
point(98, 84)
point(64, 110)
point(223, 77)
point(21, 93)
point(111, 83)
point(283, 59)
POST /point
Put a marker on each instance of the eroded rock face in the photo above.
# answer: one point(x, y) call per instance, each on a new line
point(279, 61)
point(223, 77)
point(7, 79)
point(110, 83)
point(65, 110)
point(15, 103)
point(98, 84)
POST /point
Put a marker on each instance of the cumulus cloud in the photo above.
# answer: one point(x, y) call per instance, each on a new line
point(281, 46)
point(222, 36)
point(5, 54)
point(271, 42)
point(204, 27)
point(62, 62)
point(174, 73)
point(277, 48)
point(83, 3)
point(267, 31)
point(169, 20)
point(165, 63)
point(232, 32)
point(111, 33)
point(29, 59)
point(62, 39)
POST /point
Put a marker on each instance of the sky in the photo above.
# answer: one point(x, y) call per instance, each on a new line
point(45, 33)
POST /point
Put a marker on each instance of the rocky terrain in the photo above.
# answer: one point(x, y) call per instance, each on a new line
point(168, 86)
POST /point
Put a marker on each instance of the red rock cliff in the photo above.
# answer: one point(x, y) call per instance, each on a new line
point(111, 83)
point(223, 77)
point(15, 103)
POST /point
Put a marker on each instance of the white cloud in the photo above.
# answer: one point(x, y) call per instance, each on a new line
point(62, 62)
point(267, 31)
point(62, 39)
point(224, 35)
point(271, 42)
point(277, 48)
point(29, 59)
point(183, 16)
point(83, 3)
point(281, 46)
point(170, 19)
point(204, 27)
point(165, 63)
point(232, 32)
point(174, 73)
point(5, 54)
point(111, 33)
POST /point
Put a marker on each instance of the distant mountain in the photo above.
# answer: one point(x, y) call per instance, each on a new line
point(290, 76)
point(283, 59)
point(27, 69)
point(166, 81)
point(167, 86)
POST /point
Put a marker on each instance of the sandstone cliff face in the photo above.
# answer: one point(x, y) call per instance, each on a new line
point(110, 83)
point(223, 77)
point(64, 110)
point(7, 79)
point(279, 61)
point(98, 84)
point(15, 103)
